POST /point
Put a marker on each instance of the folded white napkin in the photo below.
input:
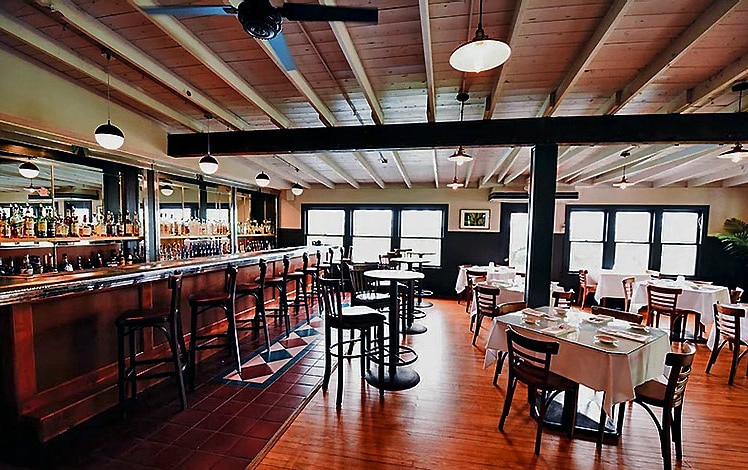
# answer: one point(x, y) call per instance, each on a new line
point(560, 329)
point(625, 334)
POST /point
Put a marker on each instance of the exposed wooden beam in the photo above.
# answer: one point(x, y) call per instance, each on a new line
point(314, 174)
point(518, 171)
point(369, 169)
point(469, 173)
point(518, 17)
point(123, 48)
point(647, 167)
point(588, 161)
point(436, 168)
point(736, 180)
point(497, 164)
point(354, 61)
point(508, 162)
point(606, 26)
point(428, 59)
point(401, 168)
point(573, 130)
point(338, 170)
point(44, 43)
point(696, 97)
point(680, 173)
point(619, 162)
point(189, 42)
point(675, 50)
point(721, 173)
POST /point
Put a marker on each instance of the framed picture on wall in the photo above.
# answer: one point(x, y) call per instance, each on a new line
point(475, 218)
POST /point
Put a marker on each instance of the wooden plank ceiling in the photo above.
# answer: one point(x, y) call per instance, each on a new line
point(570, 57)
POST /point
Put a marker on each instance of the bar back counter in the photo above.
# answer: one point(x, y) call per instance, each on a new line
point(58, 341)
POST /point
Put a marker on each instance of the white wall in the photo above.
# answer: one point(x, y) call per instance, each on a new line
point(724, 203)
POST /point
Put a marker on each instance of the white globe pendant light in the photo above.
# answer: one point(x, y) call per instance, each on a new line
point(208, 164)
point(108, 135)
point(262, 180)
point(297, 189)
point(28, 170)
point(481, 53)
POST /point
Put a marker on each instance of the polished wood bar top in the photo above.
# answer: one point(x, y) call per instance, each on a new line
point(17, 289)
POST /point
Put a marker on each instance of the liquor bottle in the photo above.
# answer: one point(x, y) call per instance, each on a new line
point(128, 224)
point(65, 266)
point(41, 225)
point(26, 267)
point(79, 263)
point(86, 229)
point(29, 223)
point(51, 219)
point(120, 225)
point(2, 227)
point(99, 262)
point(68, 221)
point(110, 230)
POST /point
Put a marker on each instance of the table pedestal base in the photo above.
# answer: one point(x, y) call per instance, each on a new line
point(588, 416)
point(415, 329)
point(403, 379)
point(424, 304)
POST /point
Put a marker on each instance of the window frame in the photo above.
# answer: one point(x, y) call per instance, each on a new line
point(655, 244)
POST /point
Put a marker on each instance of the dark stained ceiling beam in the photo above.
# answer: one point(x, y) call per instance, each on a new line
point(696, 128)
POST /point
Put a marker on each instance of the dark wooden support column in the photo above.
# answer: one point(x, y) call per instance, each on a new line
point(543, 163)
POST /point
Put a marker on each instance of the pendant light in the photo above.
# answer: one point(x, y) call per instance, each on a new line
point(262, 180)
point(28, 170)
point(481, 53)
point(455, 184)
point(624, 183)
point(166, 188)
point(297, 189)
point(208, 164)
point(460, 157)
point(108, 135)
point(737, 153)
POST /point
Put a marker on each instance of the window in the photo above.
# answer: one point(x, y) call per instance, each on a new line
point(632, 237)
point(421, 230)
point(586, 234)
point(372, 234)
point(518, 240)
point(680, 236)
point(325, 226)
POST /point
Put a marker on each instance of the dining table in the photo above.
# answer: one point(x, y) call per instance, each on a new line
point(418, 262)
point(492, 273)
point(635, 354)
point(610, 282)
point(399, 376)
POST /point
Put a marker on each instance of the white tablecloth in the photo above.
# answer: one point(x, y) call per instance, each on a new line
point(609, 282)
point(615, 370)
point(743, 327)
point(694, 297)
point(497, 273)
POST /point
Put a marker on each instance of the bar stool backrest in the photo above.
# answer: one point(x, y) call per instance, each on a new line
point(230, 283)
point(286, 263)
point(332, 290)
point(331, 254)
point(359, 283)
point(263, 272)
point(319, 258)
point(305, 261)
point(175, 285)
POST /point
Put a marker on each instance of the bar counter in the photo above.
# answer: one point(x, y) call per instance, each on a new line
point(58, 337)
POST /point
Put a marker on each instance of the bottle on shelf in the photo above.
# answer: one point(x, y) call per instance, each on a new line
point(85, 229)
point(65, 266)
point(51, 223)
point(41, 224)
point(29, 223)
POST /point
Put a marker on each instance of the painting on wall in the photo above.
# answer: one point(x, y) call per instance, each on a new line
point(475, 218)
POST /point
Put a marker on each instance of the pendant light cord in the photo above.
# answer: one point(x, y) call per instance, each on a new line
point(108, 98)
point(480, 16)
point(209, 116)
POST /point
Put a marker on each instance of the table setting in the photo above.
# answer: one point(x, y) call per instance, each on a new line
point(698, 296)
point(492, 272)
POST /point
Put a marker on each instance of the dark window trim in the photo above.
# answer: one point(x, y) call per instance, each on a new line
point(507, 209)
point(656, 211)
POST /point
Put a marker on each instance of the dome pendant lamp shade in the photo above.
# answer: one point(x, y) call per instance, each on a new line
point(455, 184)
point(208, 164)
point(28, 170)
point(297, 189)
point(109, 136)
point(167, 189)
point(737, 153)
point(460, 157)
point(262, 180)
point(624, 183)
point(481, 53)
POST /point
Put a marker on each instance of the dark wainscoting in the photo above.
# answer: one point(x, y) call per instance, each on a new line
point(290, 237)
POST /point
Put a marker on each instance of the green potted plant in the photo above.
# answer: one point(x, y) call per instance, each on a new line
point(735, 239)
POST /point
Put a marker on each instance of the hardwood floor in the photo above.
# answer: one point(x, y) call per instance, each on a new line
point(450, 419)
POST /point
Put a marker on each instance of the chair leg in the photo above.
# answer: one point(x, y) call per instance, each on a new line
point(478, 321)
point(734, 364)
point(232, 336)
point(380, 334)
point(286, 313)
point(713, 356)
point(328, 357)
point(134, 379)
point(541, 416)
point(191, 366)
point(677, 434)
point(121, 384)
point(339, 399)
point(665, 440)
point(508, 400)
point(499, 367)
point(175, 355)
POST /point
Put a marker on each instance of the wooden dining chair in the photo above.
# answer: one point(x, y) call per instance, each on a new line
point(727, 321)
point(487, 305)
point(663, 301)
point(473, 277)
point(669, 397)
point(504, 309)
point(562, 299)
point(585, 288)
point(628, 291)
point(618, 314)
point(736, 295)
point(530, 363)
point(462, 295)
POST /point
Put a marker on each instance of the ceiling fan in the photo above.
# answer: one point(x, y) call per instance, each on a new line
point(261, 20)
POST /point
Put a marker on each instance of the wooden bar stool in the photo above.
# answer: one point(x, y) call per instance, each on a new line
point(129, 326)
point(298, 277)
point(257, 290)
point(279, 283)
point(313, 273)
point(203, 302)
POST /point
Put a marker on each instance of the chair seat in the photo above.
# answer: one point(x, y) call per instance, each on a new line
point(144, 318)
point(357, 317)
point(311, 270)
point(247, 288)
point(534, 375)
point(652, 392)
point(208, 298)
point(372, 297)
point(296, 275)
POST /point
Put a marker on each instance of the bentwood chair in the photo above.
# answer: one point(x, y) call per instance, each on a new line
point(361, 319)
point(585, 288)
point(663, 301)
point(530, 363)
point(504, 309)
point(203, 302)
point(129, 327)
point(669, 396)
point(255, 290)
point(562, 299)
point(631, 318)
point(727, 321)
point(363, 291)
point(628, 291)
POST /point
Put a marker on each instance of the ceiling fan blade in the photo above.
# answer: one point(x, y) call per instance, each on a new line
point(278, 43)
point(312, 12)
point(191, 10)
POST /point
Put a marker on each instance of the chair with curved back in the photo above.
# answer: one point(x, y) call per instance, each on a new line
point(505, 309)
point(727, 321)
point(487, 305)
point(361, 319)
point(474, 276)
point(663, 301)
point(530, 363)
point(668, 396)
point(562, 299)
point(628, 291)
point(585, 288)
